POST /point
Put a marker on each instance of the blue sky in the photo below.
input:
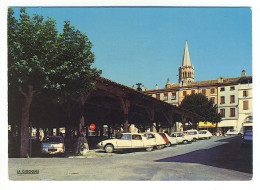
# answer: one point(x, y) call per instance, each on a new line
point(146, 44)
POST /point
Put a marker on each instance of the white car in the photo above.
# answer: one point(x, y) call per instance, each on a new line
point(172, 140)
point(53, 145)
point(127, 141)
point(193, 133)
point(231, 132)
point(157, 138)
point(182, 137)
point(205, 134)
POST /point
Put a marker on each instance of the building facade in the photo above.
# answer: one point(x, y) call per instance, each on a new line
point(233, 96)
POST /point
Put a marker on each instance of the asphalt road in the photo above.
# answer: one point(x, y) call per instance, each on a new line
point(220, 158)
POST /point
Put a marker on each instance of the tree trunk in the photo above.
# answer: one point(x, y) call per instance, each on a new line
point(25, 121)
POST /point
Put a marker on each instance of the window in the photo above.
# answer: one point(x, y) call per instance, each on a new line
point(192, 91)
point(174, 96)
point(232, 112)
point(203, 91)
point(126, 137)
point(245, 105)
point(232, 88)
point(222, 100)
point(222, 112)
point(245, 93)
point(222, 89)
point(165, 96)
point(158, 96)
point(232, 99)
point(184, 93)
point(136, 137)
point(212, 90)
point(212, 99)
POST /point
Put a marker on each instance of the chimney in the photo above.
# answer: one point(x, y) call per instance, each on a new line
point(243, 73)
point(143, 88)
point(156, 87)
point(220, 79)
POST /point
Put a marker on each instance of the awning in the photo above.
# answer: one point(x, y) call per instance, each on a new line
point(206, 125)
point(228, 123)
point(248, 124)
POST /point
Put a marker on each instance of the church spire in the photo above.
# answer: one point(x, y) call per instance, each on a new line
point(186, 71)
point(186, 56)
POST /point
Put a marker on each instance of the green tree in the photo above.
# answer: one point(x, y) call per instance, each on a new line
point(31, 56)
point(43, 61)
point(199, 103)
point(75, 74)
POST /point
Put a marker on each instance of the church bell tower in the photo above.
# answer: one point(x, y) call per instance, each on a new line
point(186, 71)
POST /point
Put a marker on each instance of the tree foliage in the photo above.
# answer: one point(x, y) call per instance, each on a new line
point(40, 60)
point(199, 103)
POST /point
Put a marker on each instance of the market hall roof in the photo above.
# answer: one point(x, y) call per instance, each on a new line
point(110, 102)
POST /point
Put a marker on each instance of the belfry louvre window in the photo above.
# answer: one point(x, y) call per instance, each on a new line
point(232, 99)
point(222, 100)
point(232, 112)
point(245, 105)
point(174, 96)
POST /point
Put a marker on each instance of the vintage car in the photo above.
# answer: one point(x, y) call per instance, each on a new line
point(193, 133)
point(156, 137)
point(204, 134)
point(169, 140)
point(247, 138)
point(232, 132)
point(182, 137)
point(127, 141)
point(53, 145)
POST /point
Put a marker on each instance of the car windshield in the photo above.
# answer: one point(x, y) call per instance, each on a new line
point(162, 135)
point(52, 139)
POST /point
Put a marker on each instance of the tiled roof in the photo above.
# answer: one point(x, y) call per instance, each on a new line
point(206, 83)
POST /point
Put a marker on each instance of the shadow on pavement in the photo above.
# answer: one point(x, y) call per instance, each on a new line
point(229, 156)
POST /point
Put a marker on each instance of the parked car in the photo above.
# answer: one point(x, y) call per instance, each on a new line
point(233, 132)
point(247, 138)
point(193, 133)
point(156, 137)
point(169, 140)
point(204, 134)
point(172, 140)
point(182, 137)
point(127, 141)
point(53, 145)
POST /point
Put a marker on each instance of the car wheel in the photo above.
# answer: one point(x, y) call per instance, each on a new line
point(239, 134)
point(109, 148)
point(168, 144)
point(149, 149)
point(185, 142)
point(194, 140)
point(159, 147)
